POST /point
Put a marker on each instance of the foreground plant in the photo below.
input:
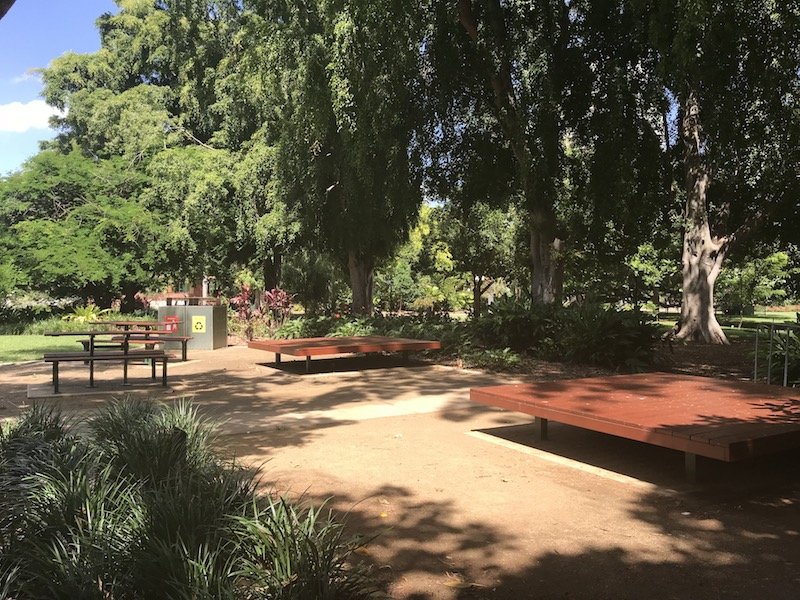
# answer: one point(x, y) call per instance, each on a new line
point(142, 507)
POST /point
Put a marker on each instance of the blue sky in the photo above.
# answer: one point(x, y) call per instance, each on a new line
point(32, 34)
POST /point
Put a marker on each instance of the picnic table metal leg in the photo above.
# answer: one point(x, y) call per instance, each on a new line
point(183, 349)
point(540, 428)
point(153, 368)
point(690, 461)
point(55, 376)
point(124, 371)
point(91, 373)
point(308, 363)
point(164, 372)
point(277, 358)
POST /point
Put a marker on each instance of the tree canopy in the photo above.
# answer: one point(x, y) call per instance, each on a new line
point(571, 149)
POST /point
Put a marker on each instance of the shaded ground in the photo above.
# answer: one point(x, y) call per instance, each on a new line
point(466, 505)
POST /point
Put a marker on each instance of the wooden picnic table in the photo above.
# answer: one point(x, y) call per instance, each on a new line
point(91, 334)
point(89, 356)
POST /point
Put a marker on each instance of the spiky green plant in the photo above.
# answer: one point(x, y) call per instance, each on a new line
point(292, 553)
point(143, 508)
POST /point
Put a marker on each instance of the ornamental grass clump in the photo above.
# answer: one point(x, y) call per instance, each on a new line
point(140, 506)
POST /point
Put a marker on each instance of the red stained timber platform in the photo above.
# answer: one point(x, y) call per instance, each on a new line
point(724, 420)
point(321, 346)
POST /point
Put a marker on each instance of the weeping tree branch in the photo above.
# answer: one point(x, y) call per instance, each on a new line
point(4, 6)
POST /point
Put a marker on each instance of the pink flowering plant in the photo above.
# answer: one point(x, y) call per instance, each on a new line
point(258, 313)
point(278, 303)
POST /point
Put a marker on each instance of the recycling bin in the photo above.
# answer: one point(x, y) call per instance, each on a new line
point(206, 324)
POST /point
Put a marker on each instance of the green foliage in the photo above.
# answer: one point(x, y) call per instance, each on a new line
point(316, 281)
point(87, 313)
point(783, 356)
point(294, 554)
point(582, 334)
point(587, 334)
point(78, 226)
point(142, 507)
point(491, 359)
point(756, 281)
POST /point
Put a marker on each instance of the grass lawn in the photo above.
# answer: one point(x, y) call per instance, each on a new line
point(19, 348)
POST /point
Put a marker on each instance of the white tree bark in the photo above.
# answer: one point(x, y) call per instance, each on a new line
point(703, 254)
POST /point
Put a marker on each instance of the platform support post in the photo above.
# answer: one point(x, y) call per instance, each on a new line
point(690, 460)
point(540, 428)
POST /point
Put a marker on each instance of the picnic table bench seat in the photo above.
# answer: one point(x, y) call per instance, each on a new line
point(118, 342)
point(154, 356)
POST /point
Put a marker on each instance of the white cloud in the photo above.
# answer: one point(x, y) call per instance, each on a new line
point(25, 77)
point(17, 117)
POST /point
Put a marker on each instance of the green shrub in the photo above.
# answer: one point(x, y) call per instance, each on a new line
point(606, 337)
point(87, 313)
point(492, 360)
point(141, 507)
point(588, 334)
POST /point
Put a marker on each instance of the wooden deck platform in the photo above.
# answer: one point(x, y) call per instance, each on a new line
point(322, 346)
point(719, 419)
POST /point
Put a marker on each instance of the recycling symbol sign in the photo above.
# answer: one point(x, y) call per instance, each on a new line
point(198, 324)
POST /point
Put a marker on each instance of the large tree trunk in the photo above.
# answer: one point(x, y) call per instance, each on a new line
point(547, 269)
point(362, 279)
point(271, 270)
point(702, 253)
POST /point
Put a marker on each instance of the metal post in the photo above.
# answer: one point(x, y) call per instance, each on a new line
point(308, 363)
point(690, 461)
point(755, 360)
point(540, 427)
point(786, 360)
point(769, 356)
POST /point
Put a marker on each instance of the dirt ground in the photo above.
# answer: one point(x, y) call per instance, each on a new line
point(462, 503)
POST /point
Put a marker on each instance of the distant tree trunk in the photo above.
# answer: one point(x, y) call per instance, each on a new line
point(4, 6)
point(362, 279)
point(271, 269)
point(547, 269)
point(702, 254)
point(477, 291)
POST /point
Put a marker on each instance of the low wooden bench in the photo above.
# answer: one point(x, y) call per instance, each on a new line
point(155, 356)
point(321, 346)
point(721, 419)
point(118, 342)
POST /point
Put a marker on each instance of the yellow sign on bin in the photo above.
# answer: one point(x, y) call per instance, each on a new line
point(198, 323)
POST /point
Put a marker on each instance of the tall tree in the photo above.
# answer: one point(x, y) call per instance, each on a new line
point(344, 75)
point(519, 51)
point(733, 69)
point(77, 226)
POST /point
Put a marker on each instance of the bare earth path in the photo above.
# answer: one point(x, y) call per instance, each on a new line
point(465, 505)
